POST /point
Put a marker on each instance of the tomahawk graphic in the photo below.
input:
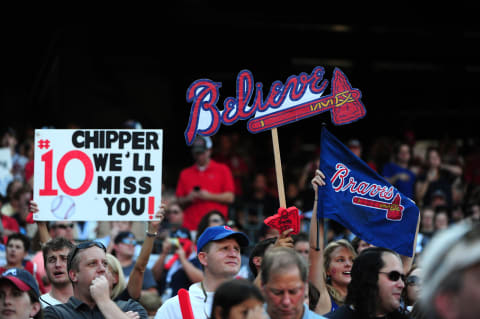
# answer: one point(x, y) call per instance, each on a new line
point(394, 209)
point(343, 103)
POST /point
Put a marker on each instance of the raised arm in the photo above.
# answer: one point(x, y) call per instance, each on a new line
point(193, 273)
point(408, 261)
point(135, 281)
point(315, 256)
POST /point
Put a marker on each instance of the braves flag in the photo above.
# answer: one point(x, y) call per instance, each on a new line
point(363, 201)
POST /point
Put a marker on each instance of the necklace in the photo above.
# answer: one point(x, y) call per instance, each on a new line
point(204, 291)
point(204, 300)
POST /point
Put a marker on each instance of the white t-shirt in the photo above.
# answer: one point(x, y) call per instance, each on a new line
point(47, 300)
point(202, 308)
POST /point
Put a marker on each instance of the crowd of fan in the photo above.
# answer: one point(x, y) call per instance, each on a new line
point(441, 176)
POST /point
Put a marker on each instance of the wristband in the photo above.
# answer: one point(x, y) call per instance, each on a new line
point(151, 234)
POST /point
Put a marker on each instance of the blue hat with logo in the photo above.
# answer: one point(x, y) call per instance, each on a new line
point(22, 279)
point(215, 233)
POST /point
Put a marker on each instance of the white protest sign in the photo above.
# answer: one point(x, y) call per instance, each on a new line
point(98, 174)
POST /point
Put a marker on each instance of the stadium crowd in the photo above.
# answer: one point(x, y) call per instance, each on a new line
point(140, 273)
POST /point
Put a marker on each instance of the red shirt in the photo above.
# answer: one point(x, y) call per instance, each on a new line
point(9, 223)
point(238, 168)
point(216, 178)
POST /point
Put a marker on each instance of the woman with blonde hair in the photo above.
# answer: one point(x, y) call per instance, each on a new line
point(330, 267)
point(338, 259)
point(117, 279)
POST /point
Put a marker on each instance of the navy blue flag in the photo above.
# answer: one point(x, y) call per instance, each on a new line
point(363, 201)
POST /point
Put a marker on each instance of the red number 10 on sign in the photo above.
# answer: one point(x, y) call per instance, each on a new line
point(48, 190)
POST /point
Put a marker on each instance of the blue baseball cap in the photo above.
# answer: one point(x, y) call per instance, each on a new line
point(215, 233)
point(22, 279)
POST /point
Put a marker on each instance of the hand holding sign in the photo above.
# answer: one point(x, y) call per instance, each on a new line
point(286, 218)
point(97, 174)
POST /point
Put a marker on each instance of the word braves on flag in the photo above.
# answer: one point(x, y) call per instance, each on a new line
point(363, 201)
point(300, 97)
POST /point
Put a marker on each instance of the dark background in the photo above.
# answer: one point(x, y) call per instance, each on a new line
point(97, 73)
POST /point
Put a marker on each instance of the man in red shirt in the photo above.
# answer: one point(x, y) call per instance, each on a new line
point(204, 186)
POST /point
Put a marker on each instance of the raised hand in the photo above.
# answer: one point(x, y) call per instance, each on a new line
point(285, 240)
point(318, 180)
point(99, 289)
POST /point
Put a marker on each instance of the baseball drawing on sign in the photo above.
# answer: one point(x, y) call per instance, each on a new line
point(63, 207)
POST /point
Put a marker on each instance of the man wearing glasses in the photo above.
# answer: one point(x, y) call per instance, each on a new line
point(87, 267)
point(124, 247)
point(376, 286)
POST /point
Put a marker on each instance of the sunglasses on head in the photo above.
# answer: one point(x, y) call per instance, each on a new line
point(394, 275)
point(63, 226)
point(413, 281)
point(83, 245)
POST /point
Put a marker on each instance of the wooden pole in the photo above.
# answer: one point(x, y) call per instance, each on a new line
point(278, 168)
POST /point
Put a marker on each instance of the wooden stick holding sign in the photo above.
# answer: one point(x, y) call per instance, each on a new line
point(285, 218)
point(278, 168)
point(300, 97)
